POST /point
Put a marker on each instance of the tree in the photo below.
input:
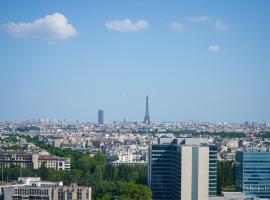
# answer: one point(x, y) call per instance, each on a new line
point(43, 172)
point(86, 163)
point(132, 191)
point(225, 176)
point(107, 196)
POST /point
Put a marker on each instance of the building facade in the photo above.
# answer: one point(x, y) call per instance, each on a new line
point(164, 171)
point(100, 117)
point(10, 159)
point(182, 169)
point(212, 171)
point(253, 173)
point(27, 160)
point(32, 188)
point(49, 161)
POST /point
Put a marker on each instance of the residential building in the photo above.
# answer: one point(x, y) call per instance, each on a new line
point(49, 161)
point(32, 188)
point(10, 159)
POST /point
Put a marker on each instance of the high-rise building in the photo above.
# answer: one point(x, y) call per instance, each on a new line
point(100, 117)
point(146, 116)
point(182, 168)
point(253, 172)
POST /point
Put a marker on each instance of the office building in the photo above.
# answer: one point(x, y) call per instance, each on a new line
point(100, 117)
point(32, 188)
point(183, 168)
point(253, 172)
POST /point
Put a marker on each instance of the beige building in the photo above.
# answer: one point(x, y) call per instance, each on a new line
point(32, 188)
point(9, 159)
point(194, 172)
point(54, 162)
point(57, 142)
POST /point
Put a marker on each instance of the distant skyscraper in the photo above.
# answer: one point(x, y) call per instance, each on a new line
point(100, 117)
point(147, 116)
point(182, 169)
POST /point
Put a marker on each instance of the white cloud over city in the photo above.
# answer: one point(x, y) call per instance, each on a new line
point(177, 26)
point(215, 48)
point(198, 19)
point(201, 19)
point(127, 25)
point(220, 26)
point(51, 27)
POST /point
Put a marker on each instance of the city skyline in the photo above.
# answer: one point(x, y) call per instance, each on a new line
point(201, 61)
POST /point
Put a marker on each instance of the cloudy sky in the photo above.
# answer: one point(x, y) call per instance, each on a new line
point(197, 60)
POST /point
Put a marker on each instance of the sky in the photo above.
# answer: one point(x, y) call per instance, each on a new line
point(197, 60)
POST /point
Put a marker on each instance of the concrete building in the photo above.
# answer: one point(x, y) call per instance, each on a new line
point(32, 188)
point(54, 162)
point(194, 172)
point(27, 160)
point(182, 169)
point(253, 172)
point(9, 159)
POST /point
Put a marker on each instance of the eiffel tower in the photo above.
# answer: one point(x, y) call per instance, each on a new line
point(147, 116)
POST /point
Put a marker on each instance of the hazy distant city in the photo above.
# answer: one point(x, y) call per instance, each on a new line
point(134, 100)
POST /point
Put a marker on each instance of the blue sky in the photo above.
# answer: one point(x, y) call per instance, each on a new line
point(197, 60)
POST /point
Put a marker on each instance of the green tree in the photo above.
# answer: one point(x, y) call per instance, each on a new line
point(86, 163)
point(132, 191)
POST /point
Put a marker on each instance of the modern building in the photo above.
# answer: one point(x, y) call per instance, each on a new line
point(100, 117)
point(253, 172)
point(32, 188)
point(212, 170)
point(182, 168)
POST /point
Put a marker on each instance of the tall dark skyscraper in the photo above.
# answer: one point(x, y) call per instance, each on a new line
point(100, 117)
point(147, 116)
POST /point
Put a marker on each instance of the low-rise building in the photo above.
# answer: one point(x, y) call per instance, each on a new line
point(49, 161)
point(28, 160)
point(9, 159)
point(32, 188)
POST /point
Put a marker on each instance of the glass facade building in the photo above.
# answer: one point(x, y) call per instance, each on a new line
point(164, 170)
point(212, 170)
point(100, 117)
point(253, 173)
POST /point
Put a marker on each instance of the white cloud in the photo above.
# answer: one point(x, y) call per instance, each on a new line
point(198, 19)
point(177, 26)
point(126, 25)
point(214, 48)
point(50, 27)
point(220, 26)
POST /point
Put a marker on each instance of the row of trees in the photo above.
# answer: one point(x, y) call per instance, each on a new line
point(225, 176)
